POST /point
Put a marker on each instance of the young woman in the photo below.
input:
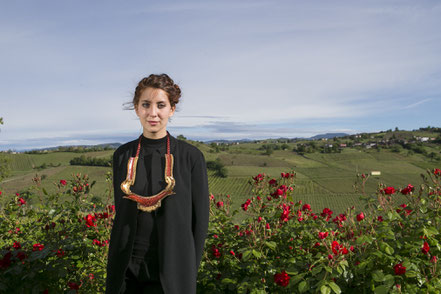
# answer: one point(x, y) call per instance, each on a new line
point(161, 201)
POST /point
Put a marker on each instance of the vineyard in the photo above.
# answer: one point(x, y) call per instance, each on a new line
point(321, 179)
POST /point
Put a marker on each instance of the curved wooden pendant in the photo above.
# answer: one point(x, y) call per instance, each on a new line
point(149, 203)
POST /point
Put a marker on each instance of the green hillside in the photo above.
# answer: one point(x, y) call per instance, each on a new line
point(323, 179)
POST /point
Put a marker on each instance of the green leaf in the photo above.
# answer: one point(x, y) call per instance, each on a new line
point(296, 278)
point(325, 290)
point(246, 255)
point(303, 287)
point(432, 230)
point(45, 192)
point(387, 248)
point(316, 270)
point(381, 289)
point(228, 281)
point(378, 276)
point(257, 254)
point(272, 245)
point(335, 287)
point(258, 291)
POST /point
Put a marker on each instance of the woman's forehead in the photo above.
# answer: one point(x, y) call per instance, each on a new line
point(152, 94)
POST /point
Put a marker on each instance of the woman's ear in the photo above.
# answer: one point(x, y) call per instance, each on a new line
point(172, 111)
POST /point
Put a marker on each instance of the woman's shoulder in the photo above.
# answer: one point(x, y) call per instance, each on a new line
point(126, 147)
point(187, 148)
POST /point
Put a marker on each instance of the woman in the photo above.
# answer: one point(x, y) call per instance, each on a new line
point(161, 201)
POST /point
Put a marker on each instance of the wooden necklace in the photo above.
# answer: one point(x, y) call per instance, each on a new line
point(149, 203)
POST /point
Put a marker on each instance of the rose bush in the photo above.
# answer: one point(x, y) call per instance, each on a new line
point(58, 242)
point(282, 246)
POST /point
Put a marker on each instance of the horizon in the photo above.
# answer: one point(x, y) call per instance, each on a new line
point(249, 69)
point(127, 139)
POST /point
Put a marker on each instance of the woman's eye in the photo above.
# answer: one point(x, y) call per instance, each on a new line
point(145, 105)
point(161, 105)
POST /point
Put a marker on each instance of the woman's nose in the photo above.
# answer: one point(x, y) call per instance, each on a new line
point(153, 111)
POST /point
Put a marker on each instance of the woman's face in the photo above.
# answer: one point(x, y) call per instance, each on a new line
point(154, 110)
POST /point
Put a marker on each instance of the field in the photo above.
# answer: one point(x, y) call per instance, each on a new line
point(323, 180)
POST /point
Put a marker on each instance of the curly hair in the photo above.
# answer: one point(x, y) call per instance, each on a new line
point(161, 81)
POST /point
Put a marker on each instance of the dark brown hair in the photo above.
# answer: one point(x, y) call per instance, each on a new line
point(161, 81)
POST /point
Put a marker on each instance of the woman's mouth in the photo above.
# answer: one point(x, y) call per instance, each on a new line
point(153, 123)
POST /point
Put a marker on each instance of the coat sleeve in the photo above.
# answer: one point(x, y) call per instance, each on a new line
point(117, 193)
point(200, 205)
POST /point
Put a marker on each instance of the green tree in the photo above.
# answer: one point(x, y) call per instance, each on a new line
point(4, 163)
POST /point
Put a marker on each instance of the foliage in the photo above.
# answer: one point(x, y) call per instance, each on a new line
point(218, 167)
point(57, 244)
point(5, 168)
point(284, 247)
point(91, 161)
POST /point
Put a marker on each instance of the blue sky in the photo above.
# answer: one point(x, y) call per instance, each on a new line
point(247, 69)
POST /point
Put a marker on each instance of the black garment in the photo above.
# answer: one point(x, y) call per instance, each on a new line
point(181, 221)
point(142, 274)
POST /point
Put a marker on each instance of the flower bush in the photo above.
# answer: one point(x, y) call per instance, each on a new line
point(282, 246)
point(58, 242)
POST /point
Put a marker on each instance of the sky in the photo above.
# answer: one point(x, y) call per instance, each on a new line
point(247, 69)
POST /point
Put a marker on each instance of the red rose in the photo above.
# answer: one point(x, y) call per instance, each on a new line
point(335, 247)
point(330, 256)
point(73, 286)
point(437, 172)
point(216, 252)
point(63, 182)
point(323, 235)
point(37, 247)
point(389, 190)
point(380, 218)
point(97, 242)
point(258, 178)
point(282, 279)
point(232, 252)
point(21, 255)
point(399, 269)
point(407, 190)
point(425, 249)
point(267, 226)
point(60, 253)
point(326, 212)
point(220, 204)
point(434, 259)
point(272, 182)
point(246, 204)
point(5, 262)
point(90, 220)
point(0, 192)
point(360, 216)
point(306, 207)
point(22, 201)
point(16, 245)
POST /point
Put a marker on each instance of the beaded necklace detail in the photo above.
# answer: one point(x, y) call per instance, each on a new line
point(149, 203)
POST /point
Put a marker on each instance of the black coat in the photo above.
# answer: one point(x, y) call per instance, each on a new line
point(182, 219)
